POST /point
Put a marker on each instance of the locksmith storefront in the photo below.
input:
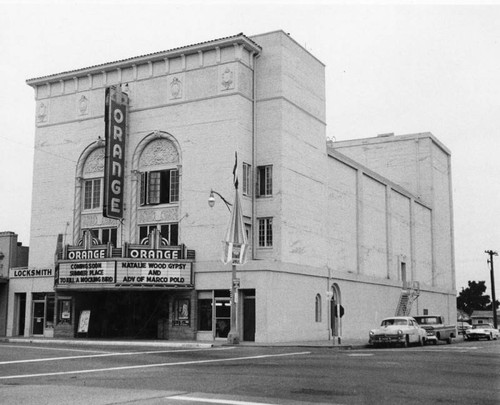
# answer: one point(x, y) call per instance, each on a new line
point(31, 302)
point(134, 181)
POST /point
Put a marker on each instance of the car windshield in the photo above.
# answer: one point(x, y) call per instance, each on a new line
point(427, 321)
point(389, 322)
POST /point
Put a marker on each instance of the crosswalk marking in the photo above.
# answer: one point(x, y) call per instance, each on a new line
point(145, 366)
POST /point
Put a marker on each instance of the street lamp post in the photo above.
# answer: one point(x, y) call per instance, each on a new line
point(233, 336)
point(491, 253)
point(234, 251)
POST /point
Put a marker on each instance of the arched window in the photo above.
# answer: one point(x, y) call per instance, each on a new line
point(89, 198)
point(318, 308)
point(158, 187)
point(93, 174)
point(158, 166)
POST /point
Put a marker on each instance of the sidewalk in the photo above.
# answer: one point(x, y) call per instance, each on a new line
point(344, 345)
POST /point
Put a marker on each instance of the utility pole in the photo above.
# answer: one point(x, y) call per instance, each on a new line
point(491, 253)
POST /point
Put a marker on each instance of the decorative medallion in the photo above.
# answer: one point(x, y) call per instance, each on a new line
point(42, 113)
point(83, 105)
point(175, 89)
point(227, 79)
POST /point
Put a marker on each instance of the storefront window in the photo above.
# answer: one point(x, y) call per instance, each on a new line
point(51, 301)
point(205, 314)
point(222, 318)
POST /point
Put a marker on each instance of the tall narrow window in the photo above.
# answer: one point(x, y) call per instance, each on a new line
point(92, 194)
point(160, 187)
point(265, 232)
point(247, 179)
point(403, 273)
point(265, 180)
point(318, 308)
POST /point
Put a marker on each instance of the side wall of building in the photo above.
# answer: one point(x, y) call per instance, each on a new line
point(422, 165)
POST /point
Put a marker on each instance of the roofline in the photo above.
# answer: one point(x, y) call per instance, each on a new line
point(292, 39)
point(155, 56)
point(335, 154)
point(395, 138)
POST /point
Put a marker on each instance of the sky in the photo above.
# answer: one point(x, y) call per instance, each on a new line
point(394, 66)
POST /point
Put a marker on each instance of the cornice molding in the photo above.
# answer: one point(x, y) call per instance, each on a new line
point(161, 56)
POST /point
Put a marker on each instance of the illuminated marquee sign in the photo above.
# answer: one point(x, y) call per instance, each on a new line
point(87, 273)
point(151, 272)
point(155, 253)
point(84, 254)
point(114, 169)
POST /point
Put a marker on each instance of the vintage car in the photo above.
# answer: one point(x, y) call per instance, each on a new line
point(401, 330)
point(436, 328)
point(463, 326)
point(482, 331)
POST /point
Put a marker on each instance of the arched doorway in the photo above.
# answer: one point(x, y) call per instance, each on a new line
point(336, 312)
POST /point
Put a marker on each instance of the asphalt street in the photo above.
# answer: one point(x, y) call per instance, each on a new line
point(461, 373)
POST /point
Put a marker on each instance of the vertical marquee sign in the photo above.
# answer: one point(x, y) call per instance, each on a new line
point(115, 117)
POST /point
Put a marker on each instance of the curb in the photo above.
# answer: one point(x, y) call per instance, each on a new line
point(78, 342)
point(178, 344)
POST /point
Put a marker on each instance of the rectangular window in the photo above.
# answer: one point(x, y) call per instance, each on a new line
point(92, 194)
point(160, 187)
point(265, 180)
point(247, 179)
point(265, 232)
point(105, 235)
point(168, 231)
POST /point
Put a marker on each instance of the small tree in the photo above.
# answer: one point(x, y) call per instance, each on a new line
point(471, 299)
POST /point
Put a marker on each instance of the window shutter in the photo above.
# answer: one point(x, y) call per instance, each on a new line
point(144, 179)
point(87, 202)
point(174, 186)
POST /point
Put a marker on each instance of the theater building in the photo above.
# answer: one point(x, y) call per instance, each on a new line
point(128, 152)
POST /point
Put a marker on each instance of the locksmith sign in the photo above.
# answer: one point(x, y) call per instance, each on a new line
point(115, 116)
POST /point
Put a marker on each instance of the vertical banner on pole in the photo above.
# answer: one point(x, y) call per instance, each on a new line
point(235, 245)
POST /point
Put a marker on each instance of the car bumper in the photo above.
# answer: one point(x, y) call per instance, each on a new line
point(477, 335)
point(386, 339)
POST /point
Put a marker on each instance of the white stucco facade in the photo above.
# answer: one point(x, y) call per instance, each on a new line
point(354, 219)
